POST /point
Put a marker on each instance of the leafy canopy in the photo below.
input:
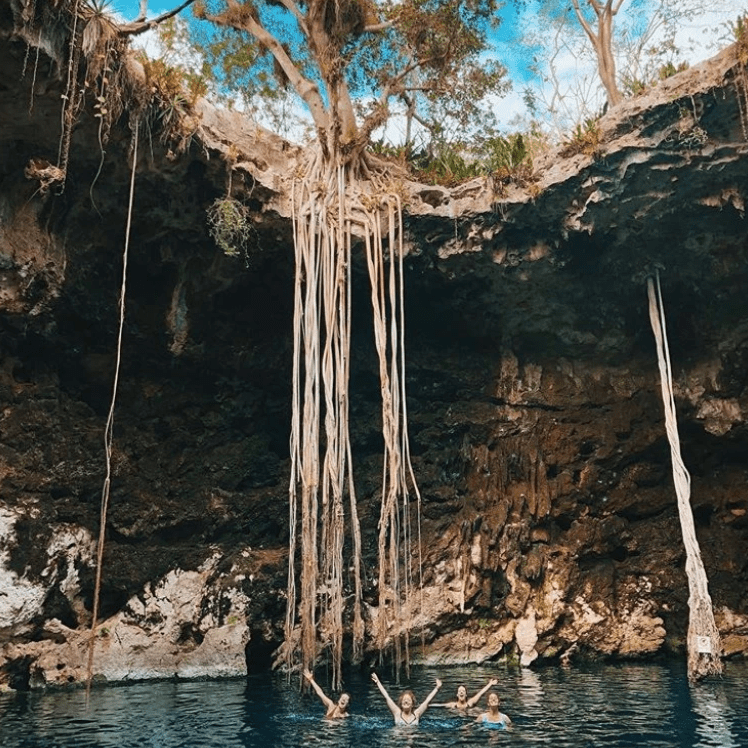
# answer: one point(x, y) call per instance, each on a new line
point(353, 61)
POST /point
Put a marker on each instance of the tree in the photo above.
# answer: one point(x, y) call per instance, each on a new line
point(350, 60)
point(600, 33)
point(347, 60)
point(627, 41)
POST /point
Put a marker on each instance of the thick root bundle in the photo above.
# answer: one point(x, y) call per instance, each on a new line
point(330, 207)
point(704, 645)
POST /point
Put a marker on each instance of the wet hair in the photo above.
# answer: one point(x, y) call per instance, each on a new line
point(403, 695)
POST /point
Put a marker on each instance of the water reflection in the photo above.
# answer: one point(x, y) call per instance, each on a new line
point(616, 706)
point(530, 690)
point(713, 716)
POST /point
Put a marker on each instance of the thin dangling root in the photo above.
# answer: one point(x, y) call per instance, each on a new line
point(108, 429)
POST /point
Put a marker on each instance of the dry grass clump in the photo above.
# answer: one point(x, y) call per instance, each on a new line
point(585, 138)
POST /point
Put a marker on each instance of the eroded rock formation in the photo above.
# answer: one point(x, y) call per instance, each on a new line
point(549, 523)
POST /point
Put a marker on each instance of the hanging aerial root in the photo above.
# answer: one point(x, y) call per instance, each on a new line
point(108, 429)
point(329, 205)
point(703, 640)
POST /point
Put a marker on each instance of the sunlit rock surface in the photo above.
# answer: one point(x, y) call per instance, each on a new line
point(549, 522)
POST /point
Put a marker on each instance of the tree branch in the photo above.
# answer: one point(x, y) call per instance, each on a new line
point(375, 27)
point(141, 26)
point(413, 113)
point(306, 89)
point(582, 20)
point(375, 118)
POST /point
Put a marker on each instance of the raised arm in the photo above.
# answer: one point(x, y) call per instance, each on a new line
point(473, 700)
point(425, 705)
point(326, 700)
point(393, 707)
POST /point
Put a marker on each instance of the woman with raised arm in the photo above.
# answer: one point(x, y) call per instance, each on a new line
point(493, 717)
point(337, 710)
point(462, 702)
point(405, 711)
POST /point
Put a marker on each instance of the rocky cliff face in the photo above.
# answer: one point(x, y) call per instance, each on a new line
point(549, 519)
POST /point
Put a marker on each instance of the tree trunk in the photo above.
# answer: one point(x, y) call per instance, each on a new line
point(306, 89)
point(602, 43)
point(342, 130)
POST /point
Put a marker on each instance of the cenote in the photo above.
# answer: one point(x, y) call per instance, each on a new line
point(596, 705)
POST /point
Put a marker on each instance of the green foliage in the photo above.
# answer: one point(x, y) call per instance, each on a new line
point(637, 86)
point(739, 31)
point(176, 89)
point(230, 226)
point(632, 86)
point(669, 69)
point(170, 74)
point(509, 161)
point(399, 153)
point(507, 155)
point(505, 158)
point(446, 164)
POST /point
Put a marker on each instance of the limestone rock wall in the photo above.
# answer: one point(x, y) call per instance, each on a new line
point(549, 523)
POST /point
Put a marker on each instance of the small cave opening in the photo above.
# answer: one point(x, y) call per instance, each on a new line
point(190, 633)
point(18, 673)
point(259, 652)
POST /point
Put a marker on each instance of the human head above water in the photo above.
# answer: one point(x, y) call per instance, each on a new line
point(493, 699)
point(461, 693)
point(407, 700)
point(344, 701)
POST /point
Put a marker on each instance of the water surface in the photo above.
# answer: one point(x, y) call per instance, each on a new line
point(611, 705)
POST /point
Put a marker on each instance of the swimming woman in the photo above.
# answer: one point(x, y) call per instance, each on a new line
point(493, 717)
point(462, 702)
point(405, 711)
point(337, 710)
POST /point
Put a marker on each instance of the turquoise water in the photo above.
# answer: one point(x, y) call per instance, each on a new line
point(612, 705)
